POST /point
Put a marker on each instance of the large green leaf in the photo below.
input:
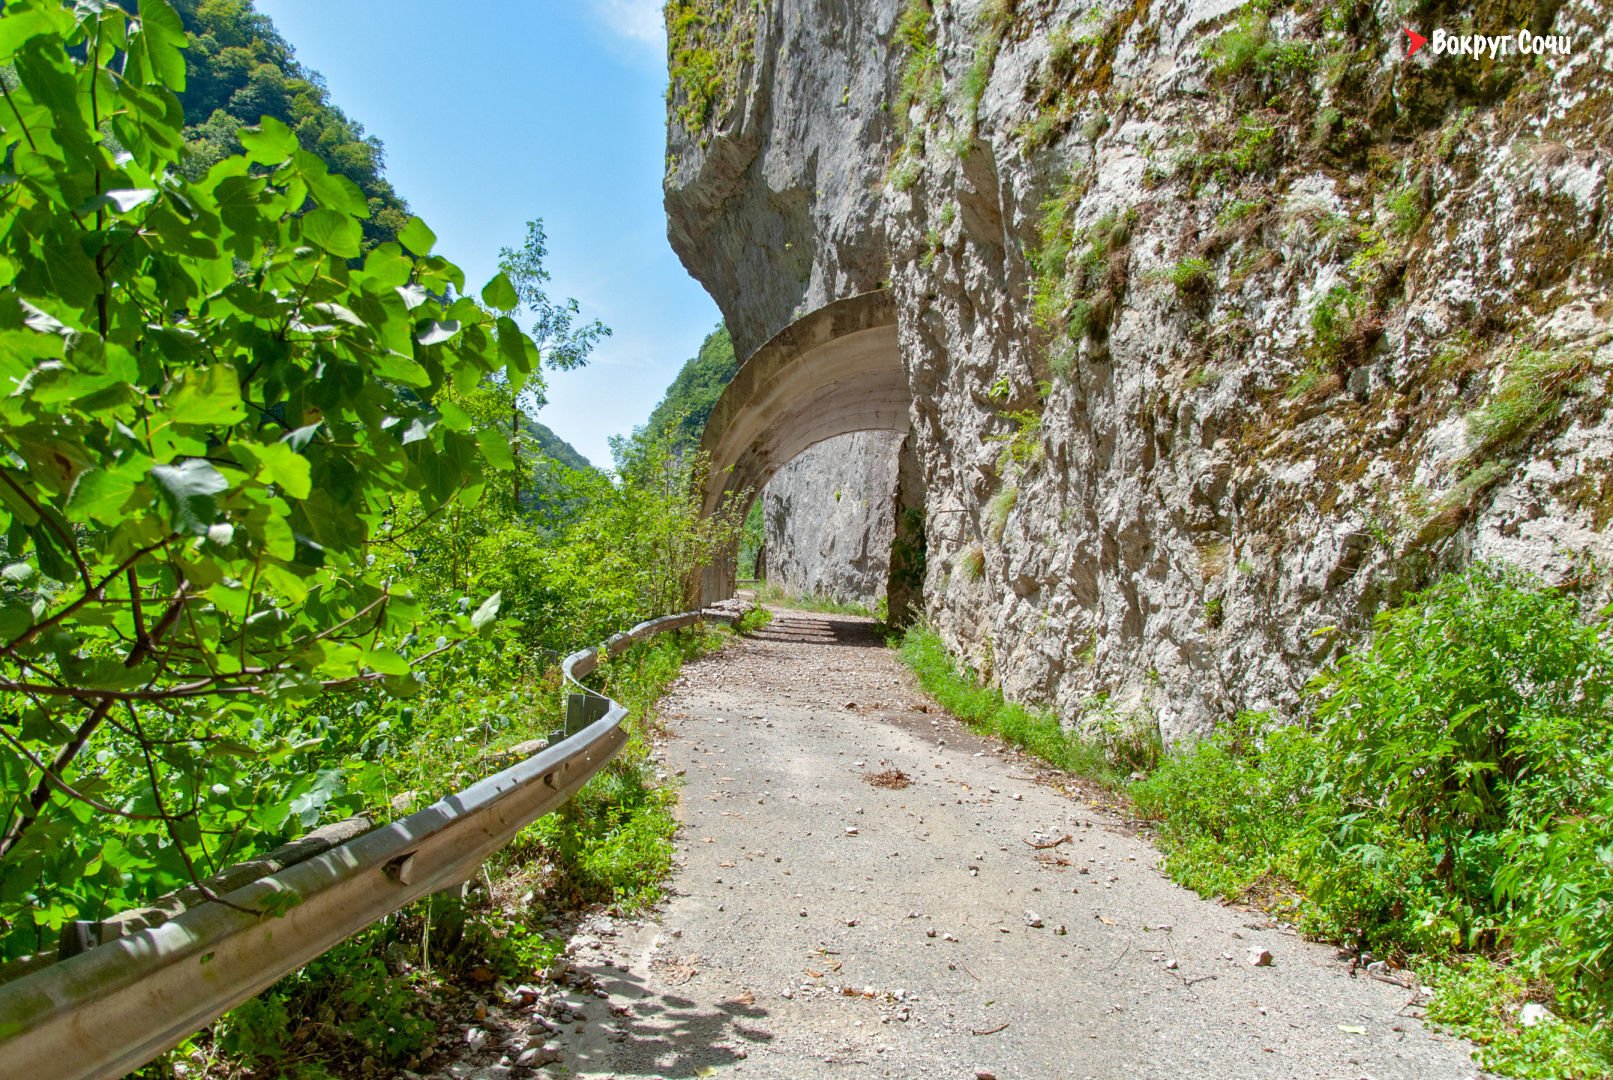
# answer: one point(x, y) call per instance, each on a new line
point(189, 488)
point(101, 495)
point(210, 395)
point(159, 44)
point(335, 232)
point(270, 143)
point(417, 237)
point(279, 464)
point(499, 294)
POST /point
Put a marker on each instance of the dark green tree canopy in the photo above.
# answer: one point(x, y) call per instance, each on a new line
point(682, 414)
point(238, 69)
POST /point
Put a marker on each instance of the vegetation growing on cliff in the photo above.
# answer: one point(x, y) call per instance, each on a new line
point(709, 45)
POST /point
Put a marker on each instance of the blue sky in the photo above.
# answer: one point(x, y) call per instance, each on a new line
point(495, 111)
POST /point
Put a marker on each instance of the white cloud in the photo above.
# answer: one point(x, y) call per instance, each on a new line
point(636, 20)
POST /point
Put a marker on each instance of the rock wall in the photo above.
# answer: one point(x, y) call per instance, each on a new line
point(828, 521)
point(1224, 330)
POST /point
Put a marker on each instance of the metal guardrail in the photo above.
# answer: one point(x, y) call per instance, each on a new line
point(116, 1006)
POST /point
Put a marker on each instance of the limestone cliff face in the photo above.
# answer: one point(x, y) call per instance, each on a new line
point(776, 206)
point(1224, 331)
point(828, 518)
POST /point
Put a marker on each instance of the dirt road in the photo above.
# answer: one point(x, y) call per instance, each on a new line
point(866, 889)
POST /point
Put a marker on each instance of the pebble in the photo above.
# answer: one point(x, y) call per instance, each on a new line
point(1259, 957)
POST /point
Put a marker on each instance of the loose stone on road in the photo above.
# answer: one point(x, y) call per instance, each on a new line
point(864, 888)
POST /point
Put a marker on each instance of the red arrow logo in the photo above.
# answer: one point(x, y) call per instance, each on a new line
point(1417, 42)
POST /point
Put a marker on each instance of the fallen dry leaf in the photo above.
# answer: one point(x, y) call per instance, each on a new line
point(894, 779)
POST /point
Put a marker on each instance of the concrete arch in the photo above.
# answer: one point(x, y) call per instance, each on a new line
point(832, 372)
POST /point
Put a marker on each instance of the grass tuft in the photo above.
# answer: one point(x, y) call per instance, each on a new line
point(983, 708)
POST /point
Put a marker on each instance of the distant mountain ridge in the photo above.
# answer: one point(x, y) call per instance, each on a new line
point(683, 412)
point(551, 444)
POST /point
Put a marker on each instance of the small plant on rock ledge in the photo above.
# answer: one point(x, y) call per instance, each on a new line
point(1001, 505)
point(1192, 277)
point(973, 562)
point(1531, 393)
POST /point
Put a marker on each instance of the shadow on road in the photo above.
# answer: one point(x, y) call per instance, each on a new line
point(664, 1034)
point(823, 630)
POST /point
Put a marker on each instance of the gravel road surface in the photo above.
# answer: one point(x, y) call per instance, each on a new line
point(864, 888)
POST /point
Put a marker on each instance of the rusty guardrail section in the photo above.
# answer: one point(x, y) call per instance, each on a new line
point(116, 1006)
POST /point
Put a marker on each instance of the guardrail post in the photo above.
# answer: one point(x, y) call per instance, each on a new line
point(584, 709)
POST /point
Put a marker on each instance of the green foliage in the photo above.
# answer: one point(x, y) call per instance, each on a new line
point(372, 1013)
point(1190, 276)
point(1228, 807)
point(1482, 1000)
point(1246, 149)
point(684, 410)
point(259, 508)
point(372, 997)
point(1249, 48)
point(769, 593)
point(612, 842)
point(995, 18)
point(1238, 210)
point(751, 540)
point(753, 620)
point(1334, 317)
point(564, 342)
point(920, 86)
point(549, 446)
point(983, 708)
point(1080, 68)
point(1023, 445)
point(213, 417)
point(973, 562)
point(1077, 277)
point(238, 69)
point(1406, 209)
point(999, 507)
point(1451, 793)
point(1530, 395)
point(709, 42)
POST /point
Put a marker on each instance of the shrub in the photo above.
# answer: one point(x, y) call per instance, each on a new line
point(1230, 806)
point(1248, 48)
point(1191, 276)
point(973, 562)
point(1334, 317)
point(1451, 792)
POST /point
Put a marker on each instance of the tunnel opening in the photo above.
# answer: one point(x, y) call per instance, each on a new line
point(833, 373)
